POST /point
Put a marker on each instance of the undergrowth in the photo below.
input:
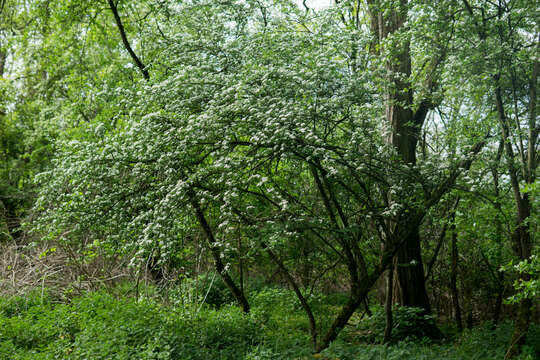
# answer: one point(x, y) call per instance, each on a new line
point(101, 326)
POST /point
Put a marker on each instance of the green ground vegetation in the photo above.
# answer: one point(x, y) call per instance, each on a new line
point(109, 325)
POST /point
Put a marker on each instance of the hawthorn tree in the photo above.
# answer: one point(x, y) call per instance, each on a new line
point(283, 127)
point(286, 146)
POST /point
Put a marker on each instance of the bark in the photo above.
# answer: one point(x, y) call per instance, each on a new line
point(521, 237)
point(410, 284)
point(453, 275)
point(521, 327)
point(533, 126)
point(366, 307)
point(220, 267)
point(498, 302)
point(357, 295)
point(470, 319)
point(405, 131)
point(388, 306)
point(296, 289)
point(3, 57)
point(431, 263)
point(360, 287)
point(125, 41)
point(500, 275)
point(240, 264)
point(522, 248)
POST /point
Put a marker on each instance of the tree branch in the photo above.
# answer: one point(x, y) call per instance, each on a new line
point(125, 41)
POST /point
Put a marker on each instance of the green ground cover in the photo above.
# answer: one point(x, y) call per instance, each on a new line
point(104, 326)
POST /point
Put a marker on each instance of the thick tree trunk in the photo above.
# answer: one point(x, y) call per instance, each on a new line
point(410, 284)
point(405, 131)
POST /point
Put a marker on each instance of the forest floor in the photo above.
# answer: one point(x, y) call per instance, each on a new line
point(111, 325)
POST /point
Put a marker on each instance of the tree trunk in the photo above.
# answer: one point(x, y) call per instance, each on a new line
point(388, 306)
point(523, 248)
point(359, 289)
point(357, 296)
point(498, 302)
point(453, 275)
point(3, 56)
point(240, 263)
point(499, 237)
point(405, 131)
point(521, 238)
point(220, 267)
point(296, 289)
point(366, 307)
point(410, 285)
point(470, 319)
point(521, 327)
